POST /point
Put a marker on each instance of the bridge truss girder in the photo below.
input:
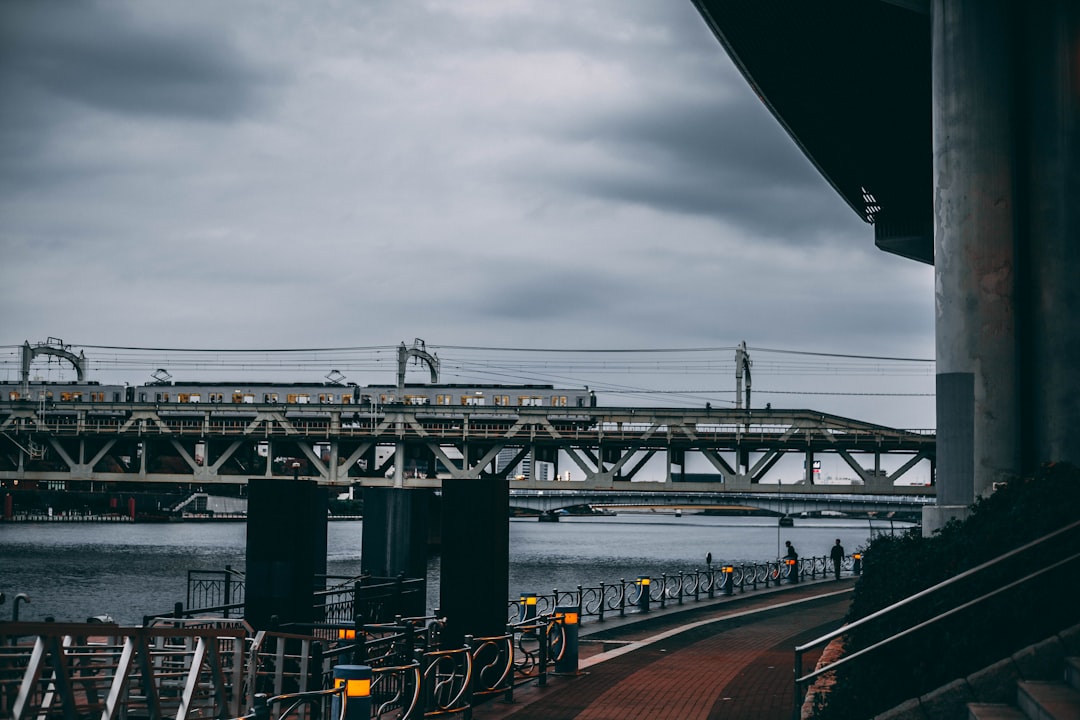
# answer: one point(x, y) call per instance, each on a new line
point(343, 445)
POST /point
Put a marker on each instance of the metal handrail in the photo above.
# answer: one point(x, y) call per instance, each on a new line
point(800, 650)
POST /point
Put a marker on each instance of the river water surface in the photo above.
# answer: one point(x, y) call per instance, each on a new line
point(75, 570)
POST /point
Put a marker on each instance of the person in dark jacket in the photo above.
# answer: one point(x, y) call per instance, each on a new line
point(837, 556)
point(793, 575)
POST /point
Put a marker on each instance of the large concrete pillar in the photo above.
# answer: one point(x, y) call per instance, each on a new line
point(286, 528)
point(475, 573)
point(1051, 349)
point(395, 535)
point(1007, 203)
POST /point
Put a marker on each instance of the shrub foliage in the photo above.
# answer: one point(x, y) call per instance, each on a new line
point(894, 568)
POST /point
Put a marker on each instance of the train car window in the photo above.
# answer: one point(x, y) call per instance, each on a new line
point(473, 400)
point(195, 397)
point(444, 399)
point(416, 400)
point(116, 397)
point(530, 400)
point(13, 395)
point(346, 399)
point(142, 397)
point(182, 397)
point(558, 401)
point(238, 397)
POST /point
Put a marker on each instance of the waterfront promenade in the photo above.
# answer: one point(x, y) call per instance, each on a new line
point(731, 658)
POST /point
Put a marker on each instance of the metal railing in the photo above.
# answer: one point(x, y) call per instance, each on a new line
point(624, 596)
point(802, 682)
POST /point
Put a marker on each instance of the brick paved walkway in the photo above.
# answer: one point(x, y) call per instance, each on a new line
point(730, 660)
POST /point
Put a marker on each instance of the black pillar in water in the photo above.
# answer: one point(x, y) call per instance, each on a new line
point(286, 529)
point(395, 534)
point(475, 573)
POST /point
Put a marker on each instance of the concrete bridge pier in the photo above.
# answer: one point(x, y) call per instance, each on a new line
point(1006, 162)
point(286, 550)
point(475, 576)
point(395, 537)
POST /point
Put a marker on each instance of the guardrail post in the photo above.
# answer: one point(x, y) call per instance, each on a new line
point(813, 568)
point(622, 597)
point(697, 584)
point(468, 679)
point(663, 590)
point(681, 586)
point(509, 697)
point(541, 675)
point(712, 582)
point(753, 568)
point(603, 601)
point(259, 709)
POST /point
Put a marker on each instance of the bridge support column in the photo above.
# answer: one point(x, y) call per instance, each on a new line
point(286, 550)
point(395, 537)
point(1006, 146)
point(474, 582)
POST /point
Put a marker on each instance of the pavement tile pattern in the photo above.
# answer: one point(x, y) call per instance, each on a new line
point(731, 660)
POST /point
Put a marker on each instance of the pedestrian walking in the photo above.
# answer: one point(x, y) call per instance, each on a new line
point(837, 555)
point(792, 558)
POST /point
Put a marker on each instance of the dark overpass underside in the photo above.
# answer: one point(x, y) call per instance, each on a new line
point(850, 80)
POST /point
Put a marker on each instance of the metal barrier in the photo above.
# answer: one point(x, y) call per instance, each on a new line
point(627, 596)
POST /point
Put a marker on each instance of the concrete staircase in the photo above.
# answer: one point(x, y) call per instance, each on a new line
point(1039, 682)
point(1038, 699)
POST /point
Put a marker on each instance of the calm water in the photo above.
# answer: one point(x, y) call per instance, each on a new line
point(73, 570)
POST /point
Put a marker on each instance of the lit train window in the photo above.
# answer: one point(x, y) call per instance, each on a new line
point(444, 399)
point(13, 395)
point(530, 400)
point(473, 400)
point(417, 400)
point(558, 401)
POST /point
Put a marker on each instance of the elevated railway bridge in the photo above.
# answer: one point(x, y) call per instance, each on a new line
point(70, 444)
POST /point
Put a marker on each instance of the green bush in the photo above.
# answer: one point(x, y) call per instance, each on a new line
point(897, 567)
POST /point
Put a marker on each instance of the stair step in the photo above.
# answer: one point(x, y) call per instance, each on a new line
point(1072, 672)
point(1048, 700)
point(993, 711)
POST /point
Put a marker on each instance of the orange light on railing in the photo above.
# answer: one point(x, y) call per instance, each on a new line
point(354, 688)
point(346, 634)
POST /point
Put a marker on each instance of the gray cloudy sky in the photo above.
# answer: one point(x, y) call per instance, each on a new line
point(473, 172)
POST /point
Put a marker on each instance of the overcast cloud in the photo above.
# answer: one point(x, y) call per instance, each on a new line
point(484, 172)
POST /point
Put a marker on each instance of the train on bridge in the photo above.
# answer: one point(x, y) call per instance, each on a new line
point(268, 393)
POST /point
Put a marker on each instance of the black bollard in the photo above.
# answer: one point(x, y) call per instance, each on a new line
point(856, 564)
point(569, 618)
point(356, 680)
point(643, 593)
point(728, 572)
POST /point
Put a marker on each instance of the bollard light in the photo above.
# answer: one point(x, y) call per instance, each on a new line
point(356, 681)
point(569, 618)
point(793, 570)
point(856, 563)
point(643, 593)
point(729, 579)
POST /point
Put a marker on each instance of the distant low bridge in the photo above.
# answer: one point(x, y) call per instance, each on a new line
point(783, 500)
